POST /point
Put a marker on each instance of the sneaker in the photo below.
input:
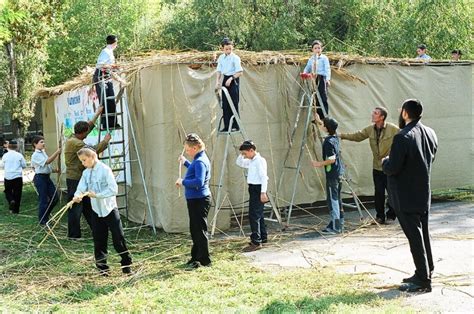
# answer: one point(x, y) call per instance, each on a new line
point(328, 231)
point(252, 247)
point(414, 287)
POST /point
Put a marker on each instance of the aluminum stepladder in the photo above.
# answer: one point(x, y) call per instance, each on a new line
point(117, 158)
point(228, 135)
point(305, 108)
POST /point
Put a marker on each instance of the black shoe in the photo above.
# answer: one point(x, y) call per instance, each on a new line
point(414, 279)
point(264, 240)
point(225, 129)
point(126, 270)
point(380, 221)
point(190, 262)
point(12, 206)
point(414, 287)
point(194, 265)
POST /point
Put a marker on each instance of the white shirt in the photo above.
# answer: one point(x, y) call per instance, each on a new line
point(257, 170)
point(13, 163)
point(38, 161)
point(101, 181)
point(106, 56)
point(229, 64)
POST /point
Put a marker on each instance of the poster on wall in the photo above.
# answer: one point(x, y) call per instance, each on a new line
point(81, 105)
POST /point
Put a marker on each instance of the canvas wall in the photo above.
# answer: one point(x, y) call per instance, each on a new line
point(167, 101)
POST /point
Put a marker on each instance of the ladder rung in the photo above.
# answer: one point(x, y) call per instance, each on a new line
point(118, 169)
point(111, 157)
point(121, 195)
point(288, 167)
point(122, 207)
point(116, 142)
point(111, 114)
point(121, 182)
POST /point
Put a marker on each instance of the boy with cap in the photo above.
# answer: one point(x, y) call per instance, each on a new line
point(257, 180)
point(334, 170)
point(229, 71)
point(13, 162)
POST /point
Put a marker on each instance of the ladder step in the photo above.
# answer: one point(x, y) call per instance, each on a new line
point(118, 169)
point(111, 114)
point(116, 142)
point(288, 167)
point(122, 207)
point(121, 195)
point(111, 157)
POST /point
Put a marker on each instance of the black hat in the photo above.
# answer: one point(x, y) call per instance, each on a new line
point(422, 47)
point(248, 145)
point(458, 51)
point(111, 39)
point(226, 41)
point(13, 142)
point(330, 124)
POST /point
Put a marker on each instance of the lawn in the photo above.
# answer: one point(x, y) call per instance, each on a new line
point(50, 279)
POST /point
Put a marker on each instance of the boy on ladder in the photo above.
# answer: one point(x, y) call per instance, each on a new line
point(229, 71)
point(320, 69)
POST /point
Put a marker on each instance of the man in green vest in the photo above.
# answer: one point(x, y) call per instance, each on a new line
point(380, 134)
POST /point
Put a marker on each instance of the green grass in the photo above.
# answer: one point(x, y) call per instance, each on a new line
point(46, 279)
point(464, 194)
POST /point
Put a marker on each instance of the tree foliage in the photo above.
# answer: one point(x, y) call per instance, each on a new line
point(53, 40)
point(86, 24)
point(28, 26)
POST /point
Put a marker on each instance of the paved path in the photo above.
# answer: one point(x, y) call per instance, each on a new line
point(383, 253)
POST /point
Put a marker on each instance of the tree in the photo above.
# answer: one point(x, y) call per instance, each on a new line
point(27, 26)
point(86, 24)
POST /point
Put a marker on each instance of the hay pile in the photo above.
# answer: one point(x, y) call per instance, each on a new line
point(196, 59)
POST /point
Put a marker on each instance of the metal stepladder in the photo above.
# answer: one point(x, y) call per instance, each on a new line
point(117, 148)
point(305, 108)
point(228, 134)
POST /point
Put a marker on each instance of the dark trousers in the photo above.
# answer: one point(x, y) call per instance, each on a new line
point(234, 95)
point(100, 233)
point(333, 199)
point(380, 185)
point(74, 213)
point(109, 94)
point(415, 227)
point(47, 195)
point(13, 190)
point(198, 208)
point(323, 92)
point(256, 218)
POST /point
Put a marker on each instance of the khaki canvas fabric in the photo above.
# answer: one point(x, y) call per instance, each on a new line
point(167, 101)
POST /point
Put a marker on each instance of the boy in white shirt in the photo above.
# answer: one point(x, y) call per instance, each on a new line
point(229, 71)
point(98, 180)
point(257, 180)
point(13, 163)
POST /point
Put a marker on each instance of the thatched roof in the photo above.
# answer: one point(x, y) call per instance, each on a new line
point(196, 59)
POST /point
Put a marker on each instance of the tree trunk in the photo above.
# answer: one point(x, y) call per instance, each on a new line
point(13, 79)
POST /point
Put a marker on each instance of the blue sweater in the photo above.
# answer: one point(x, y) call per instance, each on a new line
point(196, 181)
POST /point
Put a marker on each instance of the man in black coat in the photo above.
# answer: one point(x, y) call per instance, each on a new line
point(409, 169)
